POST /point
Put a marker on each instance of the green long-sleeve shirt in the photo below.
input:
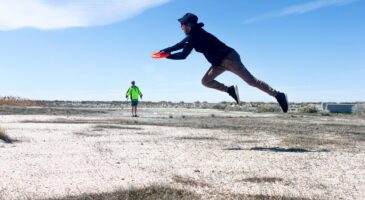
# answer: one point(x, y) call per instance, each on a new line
point(134, 93)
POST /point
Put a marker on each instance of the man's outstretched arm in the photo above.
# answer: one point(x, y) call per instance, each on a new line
point(177, 46)
point(183, 54)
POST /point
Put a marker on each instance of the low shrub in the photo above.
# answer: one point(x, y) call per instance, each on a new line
point(4, 137)
point(359, 109)
point(261, 108)
point(220, 106)
point(236, 108)
point(309, 109)
point(17, 101)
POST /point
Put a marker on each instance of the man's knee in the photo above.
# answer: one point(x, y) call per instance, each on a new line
point(206, 82)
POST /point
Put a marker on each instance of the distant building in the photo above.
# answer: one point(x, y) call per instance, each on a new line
point(338, 107)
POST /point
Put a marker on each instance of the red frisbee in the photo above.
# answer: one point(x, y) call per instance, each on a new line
point(160, 55)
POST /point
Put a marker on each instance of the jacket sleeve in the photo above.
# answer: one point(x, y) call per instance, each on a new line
point(139, 92)
point(183, 54)
point(177, 46)
point(128, 93)
point(187, 47)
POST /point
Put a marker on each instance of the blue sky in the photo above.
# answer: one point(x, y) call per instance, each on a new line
point(91, 49)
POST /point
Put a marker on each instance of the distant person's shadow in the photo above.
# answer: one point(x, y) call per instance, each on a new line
point(275, 149)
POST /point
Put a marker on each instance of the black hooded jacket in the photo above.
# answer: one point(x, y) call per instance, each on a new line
point(213, 49)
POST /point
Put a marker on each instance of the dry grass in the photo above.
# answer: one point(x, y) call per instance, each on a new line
point(262, 108)
point(261, 197)
point(84, 134)
point(168, 193)
point(229, 107)
point(359, 109)
point(236, 108)
point(116, 127)
point(247, 141)
point(189, 181)
point(102, 149)
point(309, 109)
point(150, 193)
point(314, 142)
point(262, 179)
point(4, 136)
point(196, 138)
point(97, 129)
point(220, 106)
point(17, 101)
point(146, 133)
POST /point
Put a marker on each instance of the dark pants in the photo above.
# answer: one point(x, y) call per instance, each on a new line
point(233, 64)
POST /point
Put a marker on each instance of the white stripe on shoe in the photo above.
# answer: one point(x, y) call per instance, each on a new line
point(237, 94)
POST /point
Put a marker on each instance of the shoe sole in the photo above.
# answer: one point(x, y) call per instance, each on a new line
point(237, 94)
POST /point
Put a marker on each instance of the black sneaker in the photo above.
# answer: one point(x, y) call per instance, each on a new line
point(233, 92)
point(283, 101)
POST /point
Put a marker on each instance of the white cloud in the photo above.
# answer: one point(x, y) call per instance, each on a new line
point(299, 9)
point(58, 14)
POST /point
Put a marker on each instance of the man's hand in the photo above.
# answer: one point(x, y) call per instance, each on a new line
point(141, 96)
point(126, 96)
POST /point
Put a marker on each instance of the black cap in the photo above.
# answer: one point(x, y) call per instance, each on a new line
point(133, 82)
point(189, 19)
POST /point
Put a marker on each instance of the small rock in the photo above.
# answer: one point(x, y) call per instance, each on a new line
point(197, 170)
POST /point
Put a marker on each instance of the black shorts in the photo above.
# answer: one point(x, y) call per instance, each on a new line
point(134, 102)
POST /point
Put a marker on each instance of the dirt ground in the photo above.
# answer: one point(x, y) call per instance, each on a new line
point(215, 154)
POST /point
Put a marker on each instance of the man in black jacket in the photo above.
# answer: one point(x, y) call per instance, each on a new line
point(222, 57)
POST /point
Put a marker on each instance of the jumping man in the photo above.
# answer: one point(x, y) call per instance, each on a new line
point(134, 93)
point(222, 57)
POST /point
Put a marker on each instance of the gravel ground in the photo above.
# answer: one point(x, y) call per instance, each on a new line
point(212, 153)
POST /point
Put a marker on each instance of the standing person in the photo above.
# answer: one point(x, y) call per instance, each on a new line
point(134, 93)
point(222, 57)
